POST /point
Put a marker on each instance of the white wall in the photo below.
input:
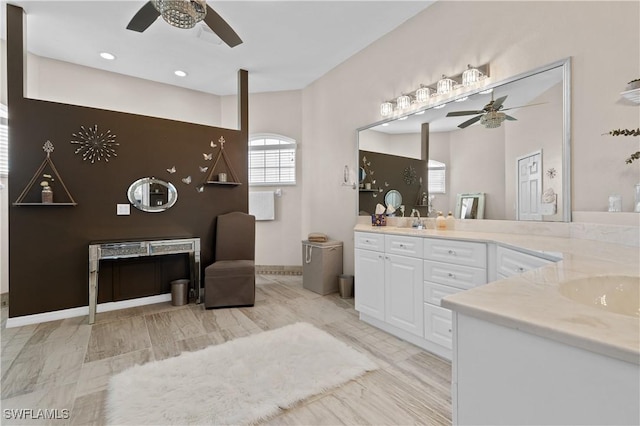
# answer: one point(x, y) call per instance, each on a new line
point(514, 37)
point(278, 242)
point(401, 144)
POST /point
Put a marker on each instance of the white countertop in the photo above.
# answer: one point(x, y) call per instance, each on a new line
point(531, 301)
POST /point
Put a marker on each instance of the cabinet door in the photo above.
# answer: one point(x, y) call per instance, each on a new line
point(369, 283)
point(404, 293)
point(437, 325)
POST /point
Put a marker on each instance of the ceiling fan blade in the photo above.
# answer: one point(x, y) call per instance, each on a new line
point(508, 117)
point(498, 103)
point(459, 113)
point(524, 106)
point(469, 122)
point(221, 28)
point(146, 16)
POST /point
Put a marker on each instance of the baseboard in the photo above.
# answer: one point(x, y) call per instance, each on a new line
point(278, 270)
point(84, 310)
point(4, 300)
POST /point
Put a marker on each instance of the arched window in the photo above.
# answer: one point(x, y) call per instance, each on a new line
point(437, 177)
point(272, 160)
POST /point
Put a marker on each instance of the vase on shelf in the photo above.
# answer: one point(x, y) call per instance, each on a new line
point(47, 195)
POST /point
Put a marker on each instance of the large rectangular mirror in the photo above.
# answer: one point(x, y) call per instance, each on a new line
point(521, 164)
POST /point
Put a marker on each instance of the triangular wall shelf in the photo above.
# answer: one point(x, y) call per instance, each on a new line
point(212, 176)
point(48, 148)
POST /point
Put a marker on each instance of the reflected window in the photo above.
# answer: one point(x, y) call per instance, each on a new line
point(437, 177)
point(272, 160)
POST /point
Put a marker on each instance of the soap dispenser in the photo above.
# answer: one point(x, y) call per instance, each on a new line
point(441, 222)
point(451, 222)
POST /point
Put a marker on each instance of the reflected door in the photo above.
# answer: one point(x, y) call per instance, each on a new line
point(529, 186)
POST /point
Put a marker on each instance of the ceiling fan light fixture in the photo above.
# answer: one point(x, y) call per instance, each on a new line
point(493, 119)
point(181, 13)
point(108, 56)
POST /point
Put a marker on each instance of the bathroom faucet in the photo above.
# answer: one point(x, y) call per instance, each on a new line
point(416, 223)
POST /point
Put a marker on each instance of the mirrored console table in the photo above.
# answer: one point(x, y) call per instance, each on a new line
point(131, 249)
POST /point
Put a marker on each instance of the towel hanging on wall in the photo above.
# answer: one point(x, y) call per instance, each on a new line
point(262, 205)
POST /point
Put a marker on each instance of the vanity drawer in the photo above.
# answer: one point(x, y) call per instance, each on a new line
point(458, 252)
point(433, 293)
point(438, 325)
point(404, 246)
point(512, 262)
point(369, 241)
point(463, 277)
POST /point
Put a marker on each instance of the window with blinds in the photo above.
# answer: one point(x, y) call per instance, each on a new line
point(272, 160)
point(437, 172)
point(4, 141)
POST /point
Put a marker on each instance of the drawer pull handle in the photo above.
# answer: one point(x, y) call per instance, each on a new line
point(451, 252)
point(449, 330)
point(401, 245)
point(520, 269)
point(451, 275)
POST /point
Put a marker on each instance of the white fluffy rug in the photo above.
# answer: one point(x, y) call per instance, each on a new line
point(238, 382)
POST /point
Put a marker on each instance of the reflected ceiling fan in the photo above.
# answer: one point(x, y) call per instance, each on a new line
point(491, 116)
point(184, 14)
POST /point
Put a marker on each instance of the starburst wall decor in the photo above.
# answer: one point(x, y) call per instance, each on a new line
point(94, 145)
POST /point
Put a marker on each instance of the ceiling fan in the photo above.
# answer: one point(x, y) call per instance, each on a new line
point(491, 116)
point(184, 14)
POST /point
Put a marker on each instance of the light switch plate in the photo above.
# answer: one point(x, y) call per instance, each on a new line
point(123, 210)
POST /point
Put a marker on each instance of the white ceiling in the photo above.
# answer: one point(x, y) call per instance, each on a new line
point(286, 44)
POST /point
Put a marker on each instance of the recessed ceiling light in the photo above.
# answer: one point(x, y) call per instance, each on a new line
point(462, 99)
point(180, 73)
point(108, 56)
point(484, 92)
point(439, 106)
point(403, 118)
point(420, 112)
point(385, 124)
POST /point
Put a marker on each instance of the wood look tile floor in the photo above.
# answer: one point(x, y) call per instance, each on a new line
point(67, 364)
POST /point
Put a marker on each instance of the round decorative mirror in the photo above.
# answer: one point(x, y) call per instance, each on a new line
point(152, 195)
point(393, 198)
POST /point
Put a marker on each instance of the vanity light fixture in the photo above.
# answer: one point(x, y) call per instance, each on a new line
point(403, 102)
point(386, 109)
point(423, 93)
point(108, 56)
point(180, 73)
point(445, 85)
point(471, 76)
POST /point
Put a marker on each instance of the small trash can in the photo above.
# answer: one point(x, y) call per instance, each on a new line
point(179, 292)
point(345, 285)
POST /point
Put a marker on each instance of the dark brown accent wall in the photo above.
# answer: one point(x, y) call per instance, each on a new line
point(389, 168)
point(48, 258)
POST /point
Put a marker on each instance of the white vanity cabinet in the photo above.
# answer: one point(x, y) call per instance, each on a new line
point(388, 287)
point(449, 267)
point(369, 274)
point(403, 283)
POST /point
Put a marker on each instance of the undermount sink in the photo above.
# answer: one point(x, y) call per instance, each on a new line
point(613, 293)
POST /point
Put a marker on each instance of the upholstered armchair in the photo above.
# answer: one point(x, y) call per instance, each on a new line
point(231, 279)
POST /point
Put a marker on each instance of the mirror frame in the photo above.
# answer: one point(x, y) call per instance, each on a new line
point(479, 197)
point(171, 200)
point(565, 65)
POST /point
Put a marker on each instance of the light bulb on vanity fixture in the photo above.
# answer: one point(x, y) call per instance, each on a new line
point(445, 85)
point(386, 109)
point(403, 102)
point(423, 93)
